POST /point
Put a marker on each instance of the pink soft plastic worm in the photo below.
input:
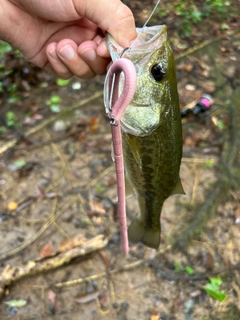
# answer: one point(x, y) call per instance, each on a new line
point(118, 106)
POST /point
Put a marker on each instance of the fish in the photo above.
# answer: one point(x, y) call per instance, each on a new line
point(151, 130)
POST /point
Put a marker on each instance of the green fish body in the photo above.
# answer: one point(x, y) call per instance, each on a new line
point(151, 131)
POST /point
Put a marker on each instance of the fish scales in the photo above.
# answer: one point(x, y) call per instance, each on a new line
point(151, 131)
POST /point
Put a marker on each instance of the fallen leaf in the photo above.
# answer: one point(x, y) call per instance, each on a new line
point(94, 124)
point(39, 192)
point(52, 297)
point(97, 207)
point(195, 293)
point(87, 297)
point(46, 251)
point(16, 303)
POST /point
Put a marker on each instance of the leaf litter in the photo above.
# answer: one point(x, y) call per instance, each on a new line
point(200, 230)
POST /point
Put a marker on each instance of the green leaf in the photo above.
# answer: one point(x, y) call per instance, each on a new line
point(215, 292)
point(16, 303)
point(100, 188)
point(5, 47)
point(19, 163)
point(209, 164)
point(55, 108)
point(13, 98)
point(224, 26)
point(189, 270)
point(62, 82)
point(55, 99)
point(3, 129)
point(196, 16)
point(220, 125)
point(213, 289)
point(177, 267)
point(216, 281)
point(10, 115)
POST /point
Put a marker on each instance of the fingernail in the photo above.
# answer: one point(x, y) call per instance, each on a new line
point(53, 53)
point(67, 52)
point(88, 54)
point(102, 49)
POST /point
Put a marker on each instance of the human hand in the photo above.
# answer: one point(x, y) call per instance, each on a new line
point(66, 36)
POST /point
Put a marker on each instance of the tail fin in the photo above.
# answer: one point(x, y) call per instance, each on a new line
point(138, 233)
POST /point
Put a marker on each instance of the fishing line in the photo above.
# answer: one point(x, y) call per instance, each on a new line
point(129, 48)
point(154, 9)
point(148, 19)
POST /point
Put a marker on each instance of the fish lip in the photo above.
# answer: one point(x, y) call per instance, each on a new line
point(137, 104)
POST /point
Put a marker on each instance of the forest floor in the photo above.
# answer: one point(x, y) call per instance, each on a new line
point(58, 190)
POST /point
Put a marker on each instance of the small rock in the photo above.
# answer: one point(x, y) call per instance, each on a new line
point(124, 306)
point(190, 87)
point(59, 126)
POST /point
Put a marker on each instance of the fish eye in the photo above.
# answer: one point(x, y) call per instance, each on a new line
point(158, 72)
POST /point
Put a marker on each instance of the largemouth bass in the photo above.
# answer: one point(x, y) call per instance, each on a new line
point(151, 130)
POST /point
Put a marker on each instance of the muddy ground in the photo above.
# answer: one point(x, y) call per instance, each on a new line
point(63, 194)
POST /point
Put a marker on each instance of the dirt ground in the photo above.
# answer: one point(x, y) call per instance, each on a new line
point(64, 195)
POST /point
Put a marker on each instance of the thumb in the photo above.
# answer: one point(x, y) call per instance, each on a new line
point(111, 16)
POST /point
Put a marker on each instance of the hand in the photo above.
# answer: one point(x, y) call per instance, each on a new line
point(66, 36)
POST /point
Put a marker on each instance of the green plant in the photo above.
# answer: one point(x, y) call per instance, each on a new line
point(100, 188)
point(177, 267)
point(187, 269)
point(219, 6)
point(4, 48)
point(62, 82)
point(53, 103)
point(209, 164)
point(189, 15)
point(19, 163)
point(11, 120)
point(213, 289)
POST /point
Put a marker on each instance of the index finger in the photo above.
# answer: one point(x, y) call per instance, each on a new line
point(111, 16)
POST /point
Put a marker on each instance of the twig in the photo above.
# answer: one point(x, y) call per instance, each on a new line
point(48, 223)
point(99, 177)
point(12, 274)
point(101, 275)
point(195, 184)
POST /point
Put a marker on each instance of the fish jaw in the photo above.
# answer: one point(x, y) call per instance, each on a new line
point(142, 115)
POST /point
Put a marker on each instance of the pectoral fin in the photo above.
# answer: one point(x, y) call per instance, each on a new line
point(178, 188)
point(132, 143)
point(128, 187)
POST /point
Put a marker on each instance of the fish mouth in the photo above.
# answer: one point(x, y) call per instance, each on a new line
point(138, 104)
